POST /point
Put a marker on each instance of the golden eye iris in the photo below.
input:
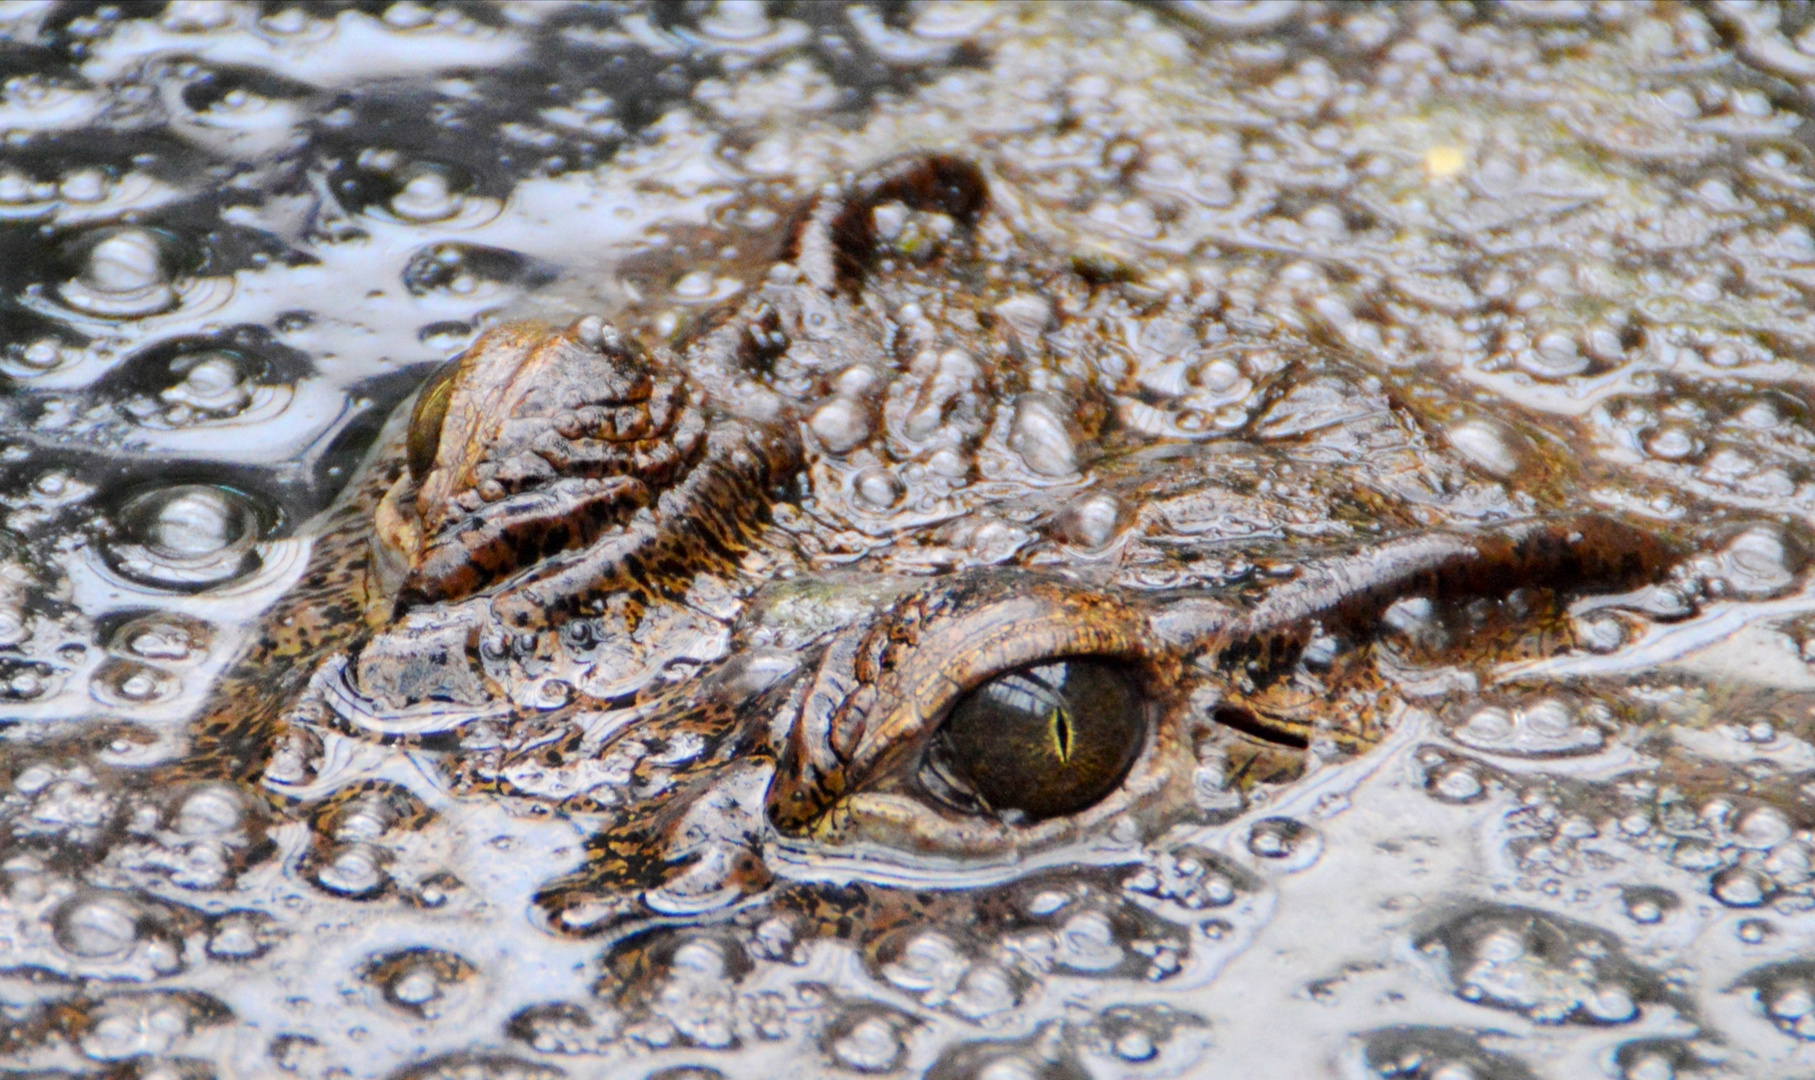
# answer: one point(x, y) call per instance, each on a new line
point(426, 420)
point(1050, 739)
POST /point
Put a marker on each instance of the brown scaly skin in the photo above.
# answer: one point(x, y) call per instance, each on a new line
point(512, 585)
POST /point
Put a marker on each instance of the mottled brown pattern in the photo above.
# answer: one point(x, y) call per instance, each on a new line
point(617, 586)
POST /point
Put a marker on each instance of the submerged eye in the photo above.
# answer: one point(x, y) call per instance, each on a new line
point(1050, 739)
point(426, 420)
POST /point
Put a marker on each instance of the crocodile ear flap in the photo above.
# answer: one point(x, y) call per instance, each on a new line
point(834, 245)
point(692, 850)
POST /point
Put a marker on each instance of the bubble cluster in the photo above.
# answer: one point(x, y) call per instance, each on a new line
point(1546, 967)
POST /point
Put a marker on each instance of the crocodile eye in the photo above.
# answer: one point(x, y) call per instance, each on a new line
point(1049, 739)
point(426, 420)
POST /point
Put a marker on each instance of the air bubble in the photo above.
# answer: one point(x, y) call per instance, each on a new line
point(1546, 727)
point(1087, 942)
point(1486, 446)
point(15, 625)
point(1673, 444)
point(1556, 356)
point(1741, 887)
point(355, 871)
point(1280, 838)
point(994, 1060)
point(877, 489)
point(98, 925)
point(125, 275)
point(1646, 906)
point(215, 810)
point(1601, 633)
point(1434, 1053)
point(462, 270)
point(1765, 827)
point(241, 935)
point(42, 356)
point(1030, 316)
point(1040, 433)
point(428, 193)
point(1489, 725)
point(1758, 563)
point(927, 961)
point(841, 425)
point(419, 981)
point(1457, 784)
point(1091, 522)
point(214, 383)
point(162, 638)
point(1549, 719)
point(1653, 1059)
point(1786, 993)
point(187, 538)
point(126, 683)
point(868, 1041)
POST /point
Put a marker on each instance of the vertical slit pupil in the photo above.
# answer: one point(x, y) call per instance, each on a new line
point(1048, 739)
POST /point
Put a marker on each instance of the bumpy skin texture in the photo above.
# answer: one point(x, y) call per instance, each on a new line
point(694, 592)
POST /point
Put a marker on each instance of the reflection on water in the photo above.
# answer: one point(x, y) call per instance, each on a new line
point(1571, 239)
